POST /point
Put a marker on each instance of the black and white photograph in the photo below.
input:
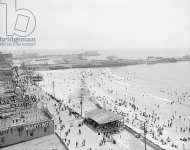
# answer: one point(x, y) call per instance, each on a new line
point(95, 75)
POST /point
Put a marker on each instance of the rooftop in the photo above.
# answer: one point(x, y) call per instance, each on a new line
point(102, 116)
point(29, 116)
point(50, 142)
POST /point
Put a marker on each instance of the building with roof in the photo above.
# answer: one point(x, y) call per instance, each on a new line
point(20, 119)
point(102, 116)
point(49, 142)
point(104, 121)
point(25, 125)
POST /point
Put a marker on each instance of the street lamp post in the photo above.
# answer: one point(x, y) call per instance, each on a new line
point(81, 105)
point(145, 129)
point(145, 135)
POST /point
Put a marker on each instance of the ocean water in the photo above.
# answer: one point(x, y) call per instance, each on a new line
point(156, 77)
point(170, 77)
point(143, 53)
point(150, 78)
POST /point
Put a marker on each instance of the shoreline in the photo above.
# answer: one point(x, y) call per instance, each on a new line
point(101, 77)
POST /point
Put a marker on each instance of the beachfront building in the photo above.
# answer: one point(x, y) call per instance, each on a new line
point(25, 125)
point(21, 118)
point(104, 121)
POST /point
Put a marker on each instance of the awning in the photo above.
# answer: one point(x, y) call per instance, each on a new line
point(102, 116)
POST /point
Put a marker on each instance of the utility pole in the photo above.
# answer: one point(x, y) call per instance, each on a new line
point(145, 135)
point(81, 103)
point(53, 84)
point(145, 129)
point(82, 90)
point(60, 128)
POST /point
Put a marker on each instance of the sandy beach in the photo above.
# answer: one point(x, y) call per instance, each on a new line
point(167, 119)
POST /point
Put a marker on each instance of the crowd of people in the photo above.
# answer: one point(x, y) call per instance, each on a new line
point(69, 125)
point(166, 123)
point(135, 114)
